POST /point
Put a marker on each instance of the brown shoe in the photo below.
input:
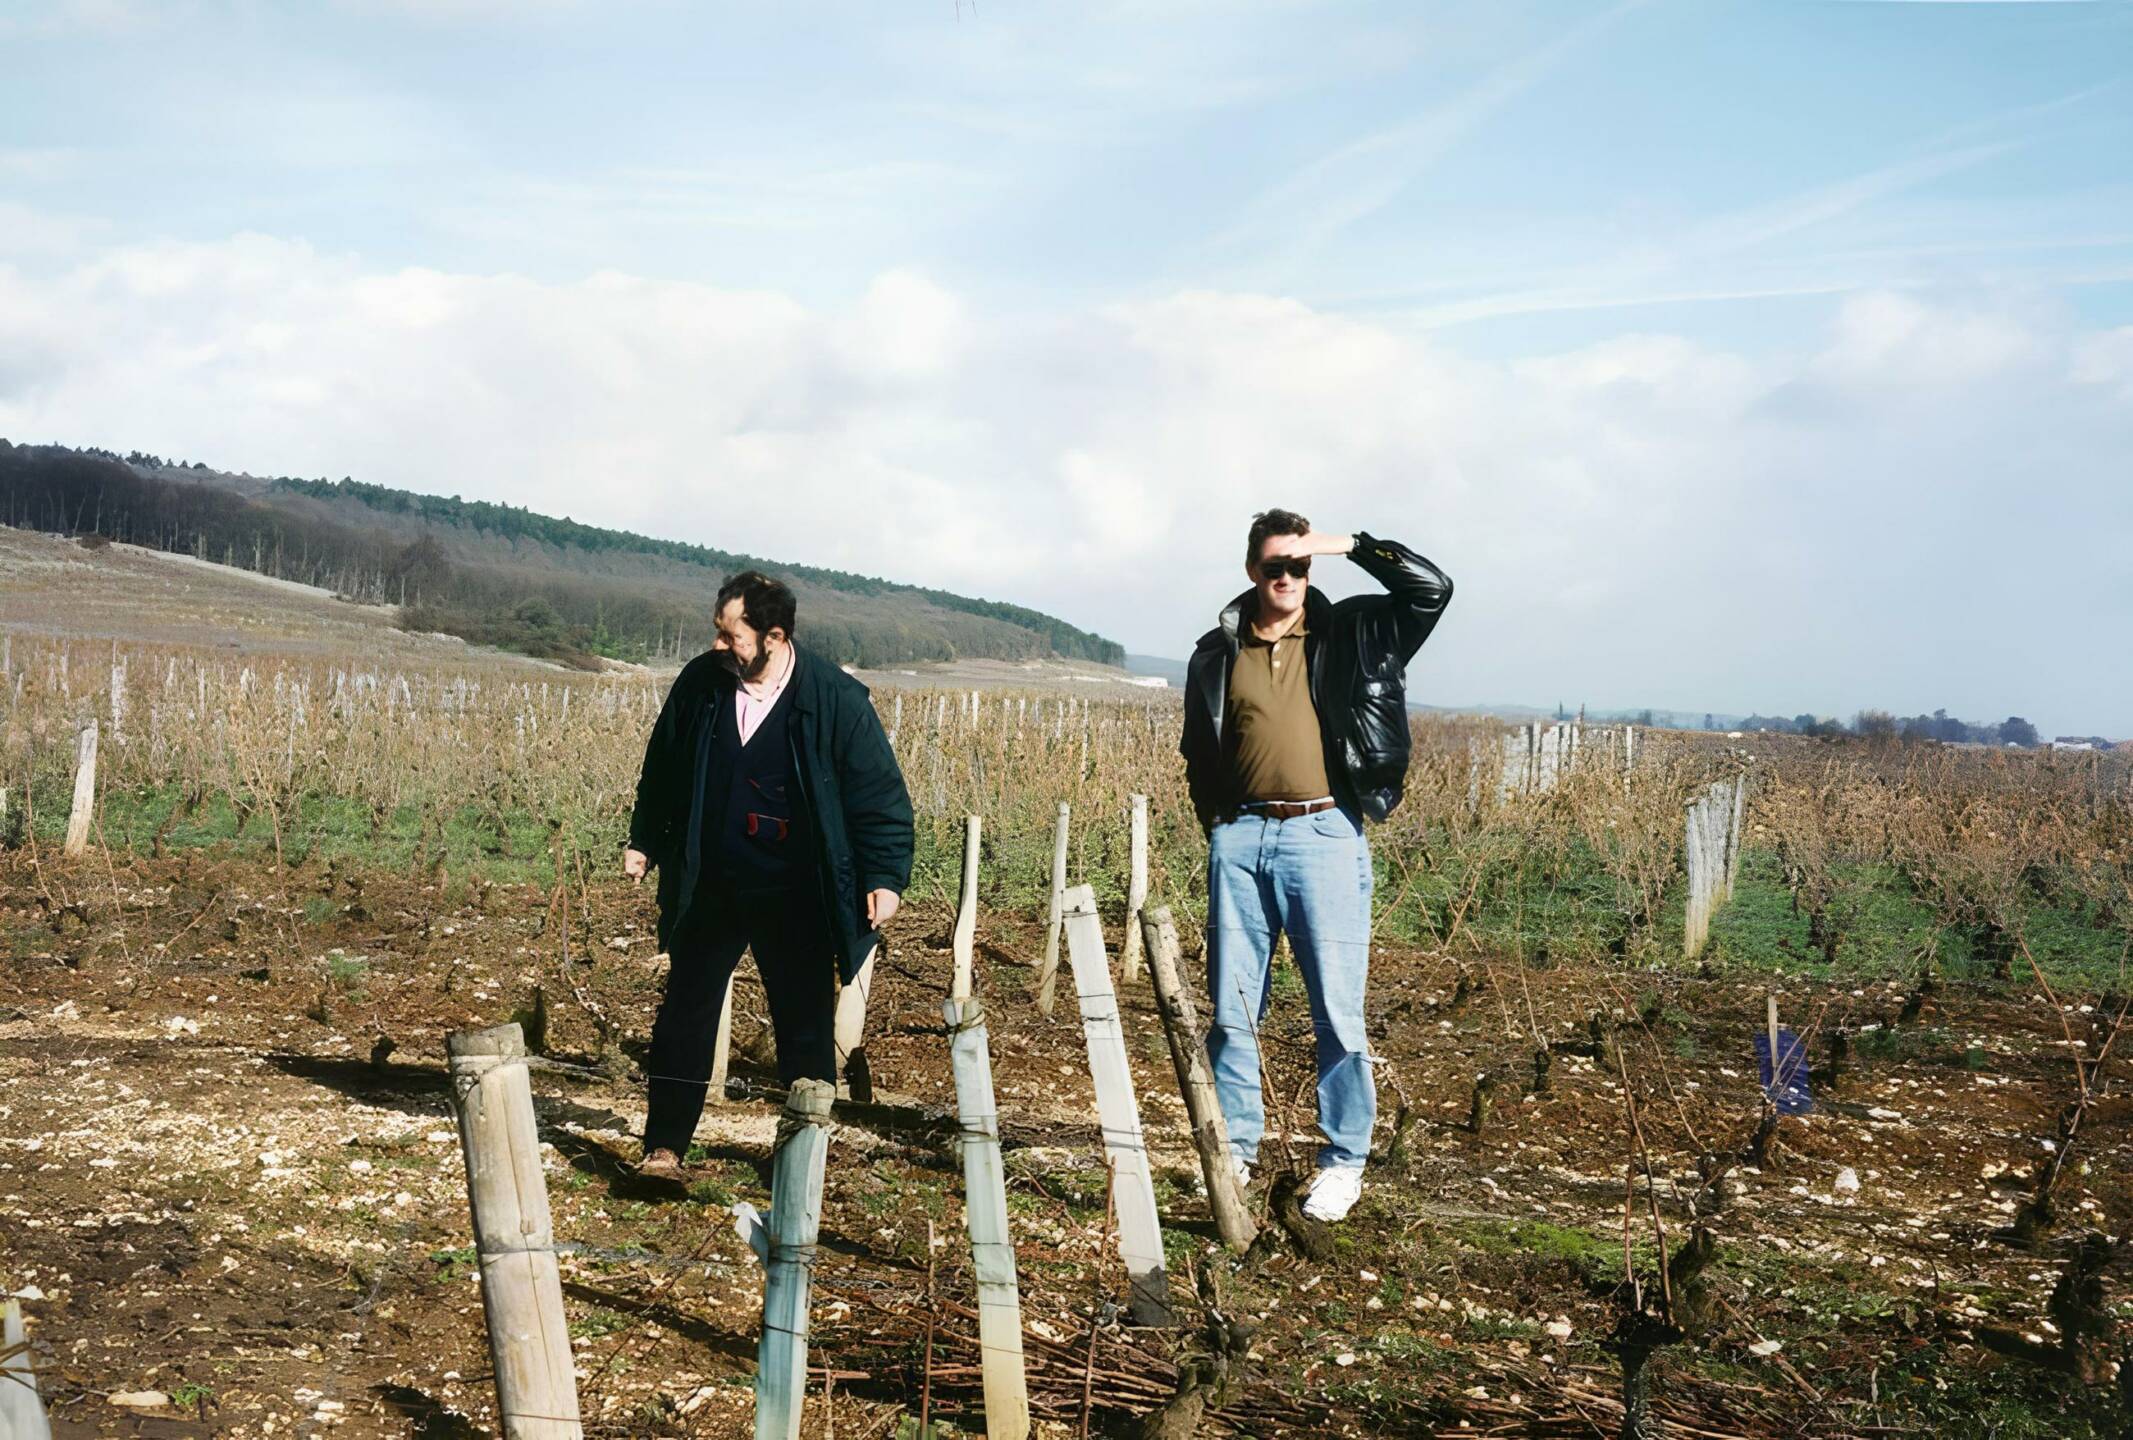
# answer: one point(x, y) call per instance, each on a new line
point(661, 1163)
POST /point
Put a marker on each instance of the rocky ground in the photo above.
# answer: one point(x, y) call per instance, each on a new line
point(230, 1182)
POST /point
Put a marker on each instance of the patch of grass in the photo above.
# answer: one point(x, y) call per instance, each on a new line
point(191, 1394)
point(1285, 979)
point(1591, 1256)
point(596, 1323)
point(345, 972)
point(455, 1262)
point(1416, 1351)
point(709, 1191)
point(1497, 1327)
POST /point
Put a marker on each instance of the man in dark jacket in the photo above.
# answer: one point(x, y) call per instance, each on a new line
point(777, 817)
point(1295, 732)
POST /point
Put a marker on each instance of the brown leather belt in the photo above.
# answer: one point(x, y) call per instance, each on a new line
point(1286, 809)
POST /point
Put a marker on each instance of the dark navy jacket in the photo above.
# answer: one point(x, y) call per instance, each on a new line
point(858, 809)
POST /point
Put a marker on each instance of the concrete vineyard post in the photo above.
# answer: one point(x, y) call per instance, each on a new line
point(1129, 964)
point(1140, 1230)
point(992, 1250)
point(1048, 970)
point(1713, 839)
point(84, 791)
point(22, 1414)
point(795, 1224)
point(521, 1292)
point(1196, 1079)
point(965, 938)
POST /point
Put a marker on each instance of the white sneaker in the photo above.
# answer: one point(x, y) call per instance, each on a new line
point(1334, 1193)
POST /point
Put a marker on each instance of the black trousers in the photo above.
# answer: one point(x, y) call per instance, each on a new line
point(789, 937)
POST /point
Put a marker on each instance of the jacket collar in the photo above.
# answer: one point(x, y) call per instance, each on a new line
point(806, 677)
point(1231, 622)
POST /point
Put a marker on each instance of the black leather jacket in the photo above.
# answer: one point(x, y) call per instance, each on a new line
point(1357, 652)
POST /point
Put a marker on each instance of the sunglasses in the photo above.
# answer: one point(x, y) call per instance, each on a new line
point(1280, 565)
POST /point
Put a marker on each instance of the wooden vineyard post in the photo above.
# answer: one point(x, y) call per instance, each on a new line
point(22, 1414)
point(1140, 1230)
point(84, 791)
point(722, 1046)
point(992, 1250)
point(1048, 971)
point(1733, 832)
point(965, 938)
point(855, 1077)
point(521, 1292)
point(1196, 1078)
point(1129, 960)
point(795, 1223)
point(1692, 920)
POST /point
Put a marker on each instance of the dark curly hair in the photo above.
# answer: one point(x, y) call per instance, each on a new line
point(1272, 522)
point(766, 604)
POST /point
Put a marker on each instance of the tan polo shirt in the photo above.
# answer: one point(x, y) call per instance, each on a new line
point(1271, 724)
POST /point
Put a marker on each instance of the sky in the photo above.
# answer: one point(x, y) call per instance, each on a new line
point(1730, 356)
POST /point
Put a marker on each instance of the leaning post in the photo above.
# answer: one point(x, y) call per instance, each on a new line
point(992, 1250)
point(1140, 1228)
point(521, 1290)
point(855, 1076)
point(722, 1046)
point(1196, 1078)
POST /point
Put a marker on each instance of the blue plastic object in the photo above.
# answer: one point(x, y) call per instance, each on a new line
point(1785, 1083)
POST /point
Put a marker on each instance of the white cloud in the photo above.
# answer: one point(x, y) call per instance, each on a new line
point(1903, 340)
point(904, 327)
point(1885, 518)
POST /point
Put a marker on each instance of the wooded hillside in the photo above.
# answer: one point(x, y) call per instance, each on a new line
point(500, 574)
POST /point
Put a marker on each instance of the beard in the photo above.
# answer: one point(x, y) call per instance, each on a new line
point(751, 672)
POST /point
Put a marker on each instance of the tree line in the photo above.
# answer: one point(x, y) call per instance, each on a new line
point(515, 522)
point(555, 615)
point(1880, 726)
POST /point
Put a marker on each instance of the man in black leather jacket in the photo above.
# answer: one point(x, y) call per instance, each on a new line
point(1295, 732)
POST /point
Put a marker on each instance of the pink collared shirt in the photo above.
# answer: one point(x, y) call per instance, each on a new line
point(751, 702)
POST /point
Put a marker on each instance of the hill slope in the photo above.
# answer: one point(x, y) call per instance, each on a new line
point(499, 574)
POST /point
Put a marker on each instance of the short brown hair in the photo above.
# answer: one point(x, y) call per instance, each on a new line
point(1272, 522)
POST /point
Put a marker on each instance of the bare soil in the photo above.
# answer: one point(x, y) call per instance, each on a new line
point(229, 1173)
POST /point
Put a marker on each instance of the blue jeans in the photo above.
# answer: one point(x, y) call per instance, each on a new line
point(1308, 878)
